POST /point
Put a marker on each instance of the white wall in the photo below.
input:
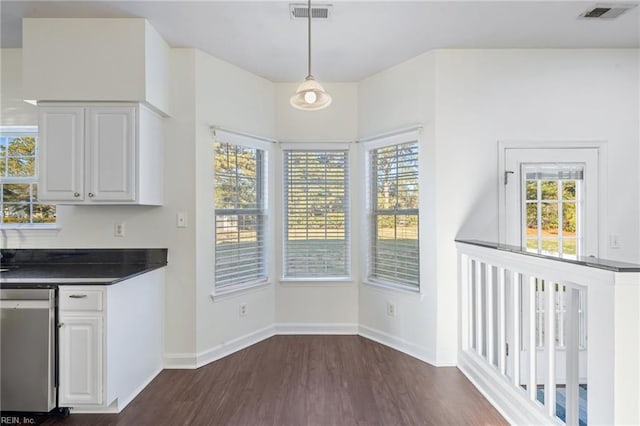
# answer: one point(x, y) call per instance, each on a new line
point(314, 306)
point(92, 226)
point(232, 98)
point(13, 110)
point(467, 101)
point(481, 97)
point(394, 99)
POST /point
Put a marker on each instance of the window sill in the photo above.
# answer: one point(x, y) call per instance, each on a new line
point(316, 282)
point(228, 293)
point(394, 288)
point(39, 230)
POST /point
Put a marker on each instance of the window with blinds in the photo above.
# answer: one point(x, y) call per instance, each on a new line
point(394, 257)
point(240, 256)
point(316, 214)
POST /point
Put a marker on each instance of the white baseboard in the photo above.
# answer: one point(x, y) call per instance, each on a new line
point(121, 404)
point(401, 345)
point(316, 328)
point(227, 348)
point(513, 404)
point(190, 360)
point(180, 361)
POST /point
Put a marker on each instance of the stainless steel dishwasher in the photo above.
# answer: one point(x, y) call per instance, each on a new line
point(28, 349)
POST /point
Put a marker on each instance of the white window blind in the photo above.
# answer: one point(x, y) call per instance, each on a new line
point(316, 214)
point(394, 257)
point(240, 255)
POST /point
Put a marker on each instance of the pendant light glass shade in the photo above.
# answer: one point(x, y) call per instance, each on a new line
point(310, 95)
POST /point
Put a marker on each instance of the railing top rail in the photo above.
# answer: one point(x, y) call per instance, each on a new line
point(590, 262)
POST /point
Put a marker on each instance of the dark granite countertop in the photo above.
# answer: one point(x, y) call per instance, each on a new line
point(33, 267)
point(592, 262)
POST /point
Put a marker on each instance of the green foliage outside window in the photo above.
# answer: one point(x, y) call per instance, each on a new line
point(18, 182)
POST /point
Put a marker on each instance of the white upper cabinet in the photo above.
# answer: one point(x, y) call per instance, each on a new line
point(100, 154)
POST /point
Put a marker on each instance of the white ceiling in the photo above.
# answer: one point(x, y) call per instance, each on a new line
point(362, 37)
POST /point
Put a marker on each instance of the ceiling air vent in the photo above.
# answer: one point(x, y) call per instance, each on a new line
point(318, 11)
point(606, 11)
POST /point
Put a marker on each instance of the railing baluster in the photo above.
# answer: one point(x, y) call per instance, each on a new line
point(573, 361)
point(502, 322)
point(550, 346)
point(489, 289)
point(515, 314)
point(531, 300)
point(479, 310)
point(466, 309)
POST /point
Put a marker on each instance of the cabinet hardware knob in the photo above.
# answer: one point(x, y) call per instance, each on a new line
point(91, 194)
point(77, 296)
point(60, 325)
point(76, 194)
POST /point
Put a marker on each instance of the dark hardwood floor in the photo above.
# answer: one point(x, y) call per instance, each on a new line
point(306, 380)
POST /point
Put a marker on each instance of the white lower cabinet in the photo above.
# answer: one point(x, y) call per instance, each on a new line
point(81, 345)
point(110, 341)
point(81, 342)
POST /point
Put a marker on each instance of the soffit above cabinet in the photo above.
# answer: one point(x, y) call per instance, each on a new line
point(95, 60)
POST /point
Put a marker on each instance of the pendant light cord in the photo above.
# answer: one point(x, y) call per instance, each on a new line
point(309, 37)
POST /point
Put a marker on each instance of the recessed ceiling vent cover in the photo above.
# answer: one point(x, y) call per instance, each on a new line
point(606, 11)
point(318, 11)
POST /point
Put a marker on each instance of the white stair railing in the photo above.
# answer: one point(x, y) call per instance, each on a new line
point(537, 336)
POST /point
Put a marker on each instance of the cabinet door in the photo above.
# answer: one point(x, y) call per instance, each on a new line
point(61, 152)
point(111, 156)
point(81, 378)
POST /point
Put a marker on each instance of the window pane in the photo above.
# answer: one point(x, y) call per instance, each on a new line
point(316, 213)
point(239, 249)
point(21, 166)
point(569, 219)
point(569, 246)
point(19, 192)
point(394, 250)
point(396, 171)
point(239, 217)
point(16, 192)
point(550, 245)
point(532, 219)
point(22, 146)
point(532, 244)
point(549, 189)
point(15, 213)
point(236, 177)
point(549, 212)
point(532, 190)
point(569, 190)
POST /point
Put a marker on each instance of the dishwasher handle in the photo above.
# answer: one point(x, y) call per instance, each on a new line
point(25, 304)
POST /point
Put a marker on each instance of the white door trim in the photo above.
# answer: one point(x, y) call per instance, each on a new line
point(600, 145)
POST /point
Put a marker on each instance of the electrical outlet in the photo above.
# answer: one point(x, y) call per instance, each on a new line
point(181, 220)
point(118, 229)
point(391, 309)
point(242, 309)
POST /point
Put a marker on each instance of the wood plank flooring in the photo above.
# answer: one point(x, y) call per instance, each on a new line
point(306, 380)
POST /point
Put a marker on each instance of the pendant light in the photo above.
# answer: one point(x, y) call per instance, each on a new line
point(310, 95)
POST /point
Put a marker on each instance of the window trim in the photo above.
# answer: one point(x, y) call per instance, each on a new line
point(16, 131)
point(264, 145)
point(403, 136)
point(320, 280)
